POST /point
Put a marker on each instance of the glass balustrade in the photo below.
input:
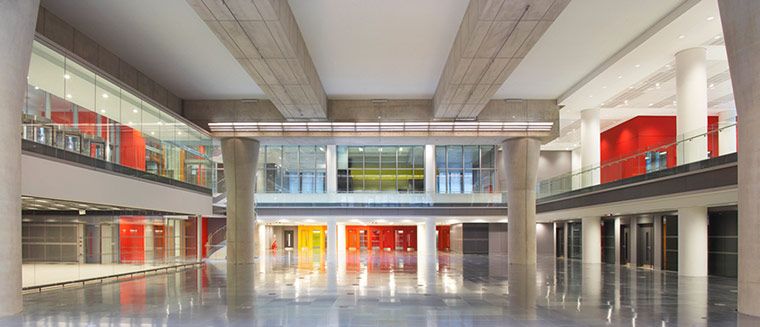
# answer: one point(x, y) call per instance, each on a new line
point(715, 140)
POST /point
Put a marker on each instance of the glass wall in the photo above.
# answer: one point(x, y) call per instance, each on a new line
point(70, 107)
point(98, 246)
point(291, 169)
point(381, 169)
point(465, 168)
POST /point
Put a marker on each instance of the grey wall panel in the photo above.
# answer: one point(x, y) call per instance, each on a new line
point(554, 163)
point(456, 238)
point(497, 238)
point(545, 238)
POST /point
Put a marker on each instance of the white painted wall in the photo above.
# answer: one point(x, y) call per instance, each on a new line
point(54, 179)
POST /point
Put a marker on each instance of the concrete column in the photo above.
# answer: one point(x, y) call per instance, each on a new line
point(591, 243)
point(590, 146)
point(740, 21)
point(727, 136)
point(430, 168)
point(691, 97)
point(240, 156)
point(331, 162)
point(520, 166)
point(17, 21)
point(332, 239)
point(692, 241)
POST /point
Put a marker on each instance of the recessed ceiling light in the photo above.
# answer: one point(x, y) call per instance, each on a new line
point(626, 101)
point(68, 96)
point(179, 133)
point(619, 77)
point(712, 85)
point(717, 37)
point(601, 104)
point(134, 110)
point(66, 76)
point(36, 87)
point(102, 110)
point(710, 18)
point(674, 102)
point(637, 65)
point(590, 96)
point(681, 36)
point(604, 87)
point(131, 123)
point(667, 66)
point(105, 96)
point(152, 133)
point(651, 104)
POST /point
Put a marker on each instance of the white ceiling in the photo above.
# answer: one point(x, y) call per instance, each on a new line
point(641, 67)
point(391, 49)
point(586, 34)
point(166, 40)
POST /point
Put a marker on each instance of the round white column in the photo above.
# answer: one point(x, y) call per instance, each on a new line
point(591, 243)
point(521, 169)
point(590, 146)
point(691, 97)
point(429, 168)
point(431, 248)
point(17, 22)
point(240, 156)
point(727, 136)
point(331, 173)
point(332, 239)
point(692, 241)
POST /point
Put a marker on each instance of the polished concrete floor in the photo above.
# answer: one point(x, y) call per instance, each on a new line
point(393, 289)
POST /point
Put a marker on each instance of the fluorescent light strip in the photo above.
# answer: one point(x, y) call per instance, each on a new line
point(467, 126)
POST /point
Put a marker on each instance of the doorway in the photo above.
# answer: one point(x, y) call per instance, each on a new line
point(624, 241)
point(645, 248)
point(560, 242)
point(288, 239)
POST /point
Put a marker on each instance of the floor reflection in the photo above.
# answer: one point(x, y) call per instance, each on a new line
point(389, 288)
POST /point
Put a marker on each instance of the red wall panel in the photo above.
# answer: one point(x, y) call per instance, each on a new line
point(638, 135)
point(132, 238)
point(132, 148)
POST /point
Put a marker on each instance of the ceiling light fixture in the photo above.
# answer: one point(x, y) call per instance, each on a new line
point(637, 65)
point(66, 76)
point(651, 104)
point(105, 96)
point(68, 96)
point(620, 77)
point(681, 36)
point(710, 18)
point(134, 110)
point(102, 110)
point(717, 37)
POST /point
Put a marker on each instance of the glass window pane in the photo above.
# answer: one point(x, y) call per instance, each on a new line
point(486, 181)
point(419, 181)
point(454, 156)
point(307, 182)
point(471, 156)
point(487, 158)
point(79, 87)
point(321, 157)
point(273, 157)
point(342, 157)
point(419, 156)
point(274, 180)
point(343, 180)
point(372, 157)
point(455, 181)
point(290, 181)
point(108, 99)
point(261, 181)
point(441, 180)
point(440, 157)
point(320, 182)
point(167, 131)
point(371, 180)
point(290, 158)
point(306, 158)
point(388, 157)
point(470, 181)
point(405, 157)
point(131, 111)
point(46, 70)
point(388, 180)
point(355, 157)
point(356, 180)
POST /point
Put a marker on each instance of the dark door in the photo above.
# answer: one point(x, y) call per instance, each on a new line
point(645, 251)
point(624, 241)
point(288, 241)
point(560, 242)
